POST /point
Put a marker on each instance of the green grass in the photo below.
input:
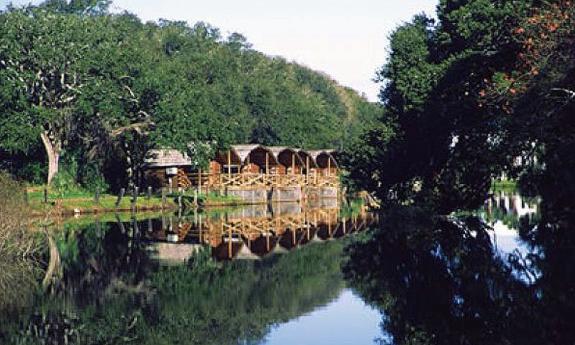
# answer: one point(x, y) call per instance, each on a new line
point(507, 185)
point(85, 202)
point(218, 198)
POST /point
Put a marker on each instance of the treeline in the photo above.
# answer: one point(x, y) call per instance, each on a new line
point(94, 92)
point(487, 88)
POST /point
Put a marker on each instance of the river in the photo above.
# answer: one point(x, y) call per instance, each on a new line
point(271, 274)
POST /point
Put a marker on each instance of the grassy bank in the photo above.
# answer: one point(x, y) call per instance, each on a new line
point(73, 202)
point(500, 185)
point(84, 202)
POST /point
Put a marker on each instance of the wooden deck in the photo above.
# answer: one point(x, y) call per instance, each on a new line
point(217, 181)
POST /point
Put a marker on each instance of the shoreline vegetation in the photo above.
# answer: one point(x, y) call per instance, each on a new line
point(44, 201)
point(503, 185)
point(20, 248)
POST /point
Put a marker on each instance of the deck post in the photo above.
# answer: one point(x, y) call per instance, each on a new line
point(229, 164)
point(120, 196)
point(306, 169)
point(267, 162)
point(328, 166)
point(293, 164)
point(200, 180)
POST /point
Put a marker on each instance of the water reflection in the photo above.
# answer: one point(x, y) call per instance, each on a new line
point(442, 279)
point(504, 212)
point(508, 208)
point(113, 290)
point(251, 232)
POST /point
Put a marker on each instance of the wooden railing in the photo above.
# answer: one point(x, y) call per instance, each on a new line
point(206, 180)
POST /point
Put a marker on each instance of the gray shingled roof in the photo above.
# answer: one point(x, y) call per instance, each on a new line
point(172, 158)
point(167, 158)
point(277, 150)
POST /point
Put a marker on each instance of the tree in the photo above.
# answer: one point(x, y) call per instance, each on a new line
point(447, 146)
point(42, 78)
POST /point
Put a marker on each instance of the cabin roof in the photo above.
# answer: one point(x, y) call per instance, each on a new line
point(167, 158)
point(277, 150)
point(329, 152)
point(243, 151)
point(163, 158)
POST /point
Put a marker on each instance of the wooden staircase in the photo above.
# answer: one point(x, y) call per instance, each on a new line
point(183, 180)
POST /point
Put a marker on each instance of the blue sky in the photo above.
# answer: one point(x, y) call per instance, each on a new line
point(347, 39)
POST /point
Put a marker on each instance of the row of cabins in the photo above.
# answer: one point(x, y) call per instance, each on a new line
point(252, 172)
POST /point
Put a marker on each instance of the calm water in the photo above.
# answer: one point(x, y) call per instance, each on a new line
point(256, 275)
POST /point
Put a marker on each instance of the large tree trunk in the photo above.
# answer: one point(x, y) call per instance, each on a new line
point(53, 153)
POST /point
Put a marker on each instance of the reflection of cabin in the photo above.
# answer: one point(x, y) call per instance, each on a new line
point(252, 235)
point(245, 166)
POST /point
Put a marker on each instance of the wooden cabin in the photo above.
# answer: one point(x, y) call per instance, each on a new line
point(325, 162)
point(245, 165)
point(164, 167)
point(290, 162)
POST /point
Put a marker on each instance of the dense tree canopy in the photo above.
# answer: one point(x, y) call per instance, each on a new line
point(98, 88)
point(483, 90)
point(487, 89)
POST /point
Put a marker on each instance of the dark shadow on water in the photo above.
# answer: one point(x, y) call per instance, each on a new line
point(440, 280)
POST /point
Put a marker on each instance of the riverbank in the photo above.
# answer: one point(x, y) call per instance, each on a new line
point(503, 185)
point(72, 203)
point(81, 202)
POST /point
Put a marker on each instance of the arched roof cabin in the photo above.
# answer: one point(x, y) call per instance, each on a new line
point(325, 161)
point(289, 160)
point(257, 159)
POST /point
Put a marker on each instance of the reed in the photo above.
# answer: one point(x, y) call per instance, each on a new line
point(19, 247)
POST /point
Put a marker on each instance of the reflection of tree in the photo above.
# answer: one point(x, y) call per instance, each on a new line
point(99, 257)
point(438, 281)
point(496, 210)
point(111, 294)
point(243, 299)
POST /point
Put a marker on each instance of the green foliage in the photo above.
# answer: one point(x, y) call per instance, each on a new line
point(65, 181)
point(448, 93)
point(166, 84)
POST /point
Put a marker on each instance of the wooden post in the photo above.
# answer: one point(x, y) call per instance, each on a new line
point(200, 180)
point(120, 196)
point(267, 163)
point(200, 228)
point(149, 195)
point(97, 196)
point(229, 163)
point(307, 169)
point(163, 197)
point(293, 164)
point(134, 198)
point(45, 195)
point(328, 166)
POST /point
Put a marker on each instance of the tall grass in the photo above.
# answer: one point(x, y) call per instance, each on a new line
point(19, 247)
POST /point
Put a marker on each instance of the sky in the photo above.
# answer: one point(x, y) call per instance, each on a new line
point(346, 39)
